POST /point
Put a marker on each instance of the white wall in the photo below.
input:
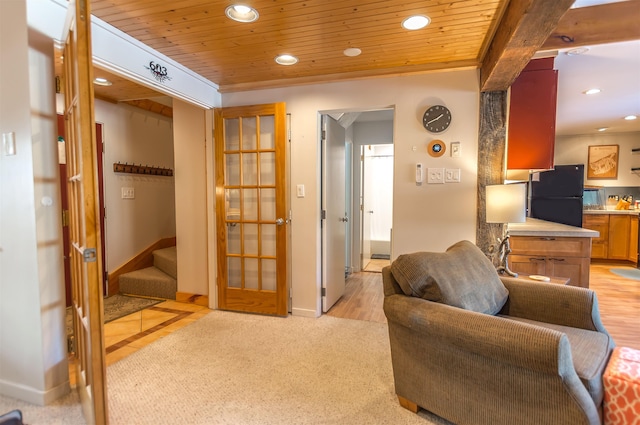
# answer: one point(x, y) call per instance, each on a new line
point(33, 362)
point(575, 150)
point(133, 135)
point(189, 125)
point(427, 217)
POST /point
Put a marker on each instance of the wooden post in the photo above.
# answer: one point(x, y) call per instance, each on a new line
point(491, 163)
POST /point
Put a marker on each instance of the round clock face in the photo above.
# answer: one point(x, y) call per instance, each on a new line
point(437, 118)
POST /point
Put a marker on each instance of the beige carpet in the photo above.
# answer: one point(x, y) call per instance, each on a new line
point(230, 368)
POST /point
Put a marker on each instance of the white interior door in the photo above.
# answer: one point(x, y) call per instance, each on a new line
point(333, 205)
point(366, 209)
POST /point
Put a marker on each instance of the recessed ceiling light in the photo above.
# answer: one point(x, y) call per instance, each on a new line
point(416, 22)
point(102, 81)
point(603, 128)
point(352, 51)
point(577, 51)
point(286, 60)
point(631, 117)
point(592, 91)
point(241, 13)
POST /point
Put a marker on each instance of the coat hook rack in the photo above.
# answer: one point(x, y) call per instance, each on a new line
point(119, 167)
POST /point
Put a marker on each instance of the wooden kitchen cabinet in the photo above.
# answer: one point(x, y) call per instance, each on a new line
point(619, 235)
point(633, 240)
point(532, 117)
point(552, 256)
point(599, 223)
point(618, 238)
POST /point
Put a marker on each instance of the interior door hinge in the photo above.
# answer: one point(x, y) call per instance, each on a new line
point(71, 344)
point(323, 215)
point(323, 292)
point(65, 218)
point(324, 135)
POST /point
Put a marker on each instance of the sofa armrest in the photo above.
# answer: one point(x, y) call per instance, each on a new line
point(551, 303)
point(502, 340)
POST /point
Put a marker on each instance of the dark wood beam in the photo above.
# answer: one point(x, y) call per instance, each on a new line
point(606, 23)
point(524, 28)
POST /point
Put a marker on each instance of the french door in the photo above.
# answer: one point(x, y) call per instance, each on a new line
point(84, 214)
point(251, 208)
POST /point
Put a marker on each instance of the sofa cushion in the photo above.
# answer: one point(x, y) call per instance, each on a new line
point(461, 277)
point(589, 352)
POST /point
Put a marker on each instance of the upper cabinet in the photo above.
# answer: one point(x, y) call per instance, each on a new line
point(532, 117)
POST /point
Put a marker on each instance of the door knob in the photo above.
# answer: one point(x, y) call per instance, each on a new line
point(370, 212)
point(344, 219)
point(280, 221)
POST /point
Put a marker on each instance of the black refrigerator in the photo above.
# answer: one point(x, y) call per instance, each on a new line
point(557, 195)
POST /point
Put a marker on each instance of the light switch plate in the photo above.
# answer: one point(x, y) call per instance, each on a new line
point(128, 193)
point(300, 191)
point(435, 175)
point(455, 150)
point(452, 175)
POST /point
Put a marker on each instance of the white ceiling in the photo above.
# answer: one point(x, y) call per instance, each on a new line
point(614, 69)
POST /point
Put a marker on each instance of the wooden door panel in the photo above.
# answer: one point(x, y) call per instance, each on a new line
point(84, 219)
point(527, 265)
point(619, 233)
point(251, 208)
point(571, 267)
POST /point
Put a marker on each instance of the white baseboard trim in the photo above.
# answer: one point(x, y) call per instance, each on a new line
point(303, 312)
point(32, 395)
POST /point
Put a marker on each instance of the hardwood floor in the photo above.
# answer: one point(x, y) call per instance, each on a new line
point(618, 298)
point(619, 301)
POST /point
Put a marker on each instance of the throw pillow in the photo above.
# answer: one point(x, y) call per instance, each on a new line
point(461, 277)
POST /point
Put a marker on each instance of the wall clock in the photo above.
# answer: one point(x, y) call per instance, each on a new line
point(436, 119)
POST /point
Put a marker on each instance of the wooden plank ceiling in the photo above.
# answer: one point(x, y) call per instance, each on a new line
point(234, 55)
point(497, 36)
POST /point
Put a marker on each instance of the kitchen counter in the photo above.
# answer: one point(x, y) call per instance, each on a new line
point(622, 212)
point(535, 227)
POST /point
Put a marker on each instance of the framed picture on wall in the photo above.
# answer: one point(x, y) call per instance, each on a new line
point(603, 162)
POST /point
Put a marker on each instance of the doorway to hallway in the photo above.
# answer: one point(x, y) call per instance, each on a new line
point(346, 222)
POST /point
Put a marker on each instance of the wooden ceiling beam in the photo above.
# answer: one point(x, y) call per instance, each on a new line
point(587, 26)
point(524, 28)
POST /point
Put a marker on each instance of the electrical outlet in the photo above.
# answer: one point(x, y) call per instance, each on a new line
point(435, 175)
point(128, 193)
point(452, 175)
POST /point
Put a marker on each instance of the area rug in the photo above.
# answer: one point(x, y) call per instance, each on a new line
point(117, 306)
point(626, 272)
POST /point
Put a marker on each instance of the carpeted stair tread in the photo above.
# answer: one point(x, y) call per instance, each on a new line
point(166, 260)
point(149, 282)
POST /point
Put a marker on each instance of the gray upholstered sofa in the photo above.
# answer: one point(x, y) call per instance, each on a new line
point(475, 348)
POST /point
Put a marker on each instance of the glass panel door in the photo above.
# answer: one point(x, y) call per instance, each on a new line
point(252, 214)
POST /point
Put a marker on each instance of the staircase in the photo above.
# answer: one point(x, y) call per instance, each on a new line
point(158, 281)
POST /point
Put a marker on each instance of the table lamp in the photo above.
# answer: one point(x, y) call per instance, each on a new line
point(506, 203)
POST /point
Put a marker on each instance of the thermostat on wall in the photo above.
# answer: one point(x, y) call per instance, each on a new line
point(436, 148)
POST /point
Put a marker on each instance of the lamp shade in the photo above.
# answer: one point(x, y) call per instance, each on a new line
point(506, 203)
